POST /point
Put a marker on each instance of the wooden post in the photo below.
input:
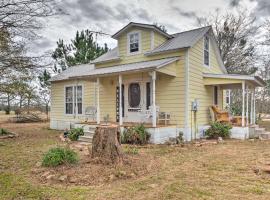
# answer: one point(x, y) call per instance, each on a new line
point(243, 103)
point(154, 119)
point(120, 100)
point(98, 106)
point(247, 94)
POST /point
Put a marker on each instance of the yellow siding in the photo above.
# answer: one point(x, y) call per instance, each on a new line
point(217, 81)
point(58, 99)
point(159, 39)
point(145, 45)
point(197, 90)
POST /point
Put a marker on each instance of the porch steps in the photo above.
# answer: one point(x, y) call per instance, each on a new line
point(89, 132)
point(261, 133)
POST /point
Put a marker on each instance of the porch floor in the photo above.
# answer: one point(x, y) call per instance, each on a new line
point(129, 124)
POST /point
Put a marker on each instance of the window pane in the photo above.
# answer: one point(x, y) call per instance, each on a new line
point(206, 57)
point(69, 100)
point(79, 94)
point(69, 108)
point(206, 43)
point(134, 42)
point(134, 95)
point(79, 108)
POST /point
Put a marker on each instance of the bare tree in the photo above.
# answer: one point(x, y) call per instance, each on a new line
point(235, 34)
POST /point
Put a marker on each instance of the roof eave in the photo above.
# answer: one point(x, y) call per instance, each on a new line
point(104, 61)
point(118, 33)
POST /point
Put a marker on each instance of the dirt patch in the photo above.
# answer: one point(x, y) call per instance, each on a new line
point(91, 172)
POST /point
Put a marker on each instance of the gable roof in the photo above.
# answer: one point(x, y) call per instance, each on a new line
point(148, 26)
point(181, 40)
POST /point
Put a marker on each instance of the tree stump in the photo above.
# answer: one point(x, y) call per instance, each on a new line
point(106, 146)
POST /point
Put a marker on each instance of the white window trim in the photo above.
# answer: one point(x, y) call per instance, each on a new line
point(128, 44)
point(209, 44)
point(74, 100)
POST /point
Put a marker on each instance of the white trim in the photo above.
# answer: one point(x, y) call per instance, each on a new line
point(74, 100)
point(209, 64)
point(154, 111)
point(243, 103)
point(98, 106)
point(247, 96)
point(128, 43)
point(186, 132)
point(120, 100)
point(152, 40)
point(254, 107)
point(251, 107)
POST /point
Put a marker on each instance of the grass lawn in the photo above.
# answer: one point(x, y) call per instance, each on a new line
point(223, 171)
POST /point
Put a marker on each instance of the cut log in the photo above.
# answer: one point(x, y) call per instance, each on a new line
point(106, 145)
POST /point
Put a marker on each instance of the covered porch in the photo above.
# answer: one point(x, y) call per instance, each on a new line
point(127, 94)
point(244, 123)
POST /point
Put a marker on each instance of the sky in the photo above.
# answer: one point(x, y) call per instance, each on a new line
point(109, 16)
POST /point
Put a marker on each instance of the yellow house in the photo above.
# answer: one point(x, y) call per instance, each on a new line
point(166, 81)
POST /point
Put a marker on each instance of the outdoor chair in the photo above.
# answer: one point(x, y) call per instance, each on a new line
point(90, 112)
point(220, 115)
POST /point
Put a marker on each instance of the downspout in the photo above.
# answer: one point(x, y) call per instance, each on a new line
point(186, 129)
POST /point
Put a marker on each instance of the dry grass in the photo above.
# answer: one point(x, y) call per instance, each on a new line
point(225, 171)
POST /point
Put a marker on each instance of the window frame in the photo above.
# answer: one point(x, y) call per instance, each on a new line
point(205, 65)
point(74, 100)
point(139, 43)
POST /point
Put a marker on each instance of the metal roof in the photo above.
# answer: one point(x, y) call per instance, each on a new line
point(258, 80)
point(181, 40)
point(177, 41)
point(71, 71)
point(148, 26)
point(109, 56)
point(131, 67)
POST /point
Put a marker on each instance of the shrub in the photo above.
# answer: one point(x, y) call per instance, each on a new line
point(58, 156)
point(3, 131)
point(218, 129)
point(74, 134)
point(135, 135)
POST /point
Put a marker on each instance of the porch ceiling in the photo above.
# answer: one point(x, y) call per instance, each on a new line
point(232, 80)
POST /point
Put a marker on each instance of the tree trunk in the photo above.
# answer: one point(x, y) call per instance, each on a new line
point(106, 145)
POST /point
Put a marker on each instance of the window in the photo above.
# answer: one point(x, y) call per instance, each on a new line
point(69, 100)
point(206, 51)
point(134, 95)
point(215, 95)
point(228, 99)
point(73, 97)
point(134, 42)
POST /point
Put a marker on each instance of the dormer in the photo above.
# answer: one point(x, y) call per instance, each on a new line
point(134, 41)
point(137, 38)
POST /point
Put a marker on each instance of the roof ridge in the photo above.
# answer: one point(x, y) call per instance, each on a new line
point(191, 30)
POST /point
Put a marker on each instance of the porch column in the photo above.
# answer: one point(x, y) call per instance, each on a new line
point(98, 107)
point(154, 118)
point(120, 100)
point(247, 91)
point(243, 103)
point(254, 107)
point(251, 107)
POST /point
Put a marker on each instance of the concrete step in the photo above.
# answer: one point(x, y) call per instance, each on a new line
point(88, 133)
point(85, 139)
point(264, 136)
point(259, 131)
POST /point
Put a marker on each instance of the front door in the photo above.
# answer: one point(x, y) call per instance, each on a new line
point(136, 101)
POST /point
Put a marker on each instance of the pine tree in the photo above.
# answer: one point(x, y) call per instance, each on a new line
point(81, 50)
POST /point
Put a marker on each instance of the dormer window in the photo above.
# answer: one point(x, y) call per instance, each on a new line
point(206, 51)
point(133, 42)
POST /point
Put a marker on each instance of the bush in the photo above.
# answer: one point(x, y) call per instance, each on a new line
point(135, 135)
point(58, 156)
point(74, 134)
point(3, 131)
point(218, 129)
